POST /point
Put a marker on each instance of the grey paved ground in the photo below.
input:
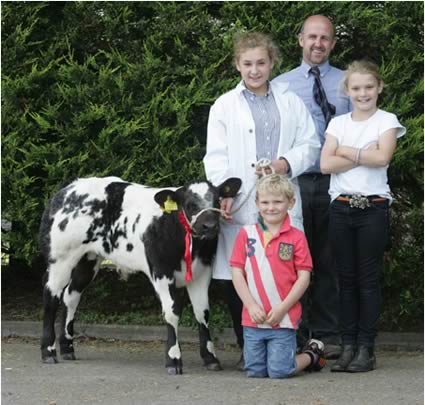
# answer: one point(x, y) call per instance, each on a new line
point(111, 373)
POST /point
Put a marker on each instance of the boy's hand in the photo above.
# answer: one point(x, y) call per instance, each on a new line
point(257, 314)
point(275, 316)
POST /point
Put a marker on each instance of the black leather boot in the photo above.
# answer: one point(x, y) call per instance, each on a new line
point(364, 360)
point(347, 355)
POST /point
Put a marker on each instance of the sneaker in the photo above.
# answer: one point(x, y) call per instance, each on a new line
point(315, 348)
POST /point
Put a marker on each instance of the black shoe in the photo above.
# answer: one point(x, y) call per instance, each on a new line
point(347, 355)
point(240, 365)
point(363, 361)
point(332, 351)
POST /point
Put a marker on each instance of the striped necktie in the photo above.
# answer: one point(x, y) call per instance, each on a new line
point(320, 98)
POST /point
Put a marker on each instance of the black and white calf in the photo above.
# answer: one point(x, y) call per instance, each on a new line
point(139, 229)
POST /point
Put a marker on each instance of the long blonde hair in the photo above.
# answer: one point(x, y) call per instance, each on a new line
point(364, 67)
point(249, 40)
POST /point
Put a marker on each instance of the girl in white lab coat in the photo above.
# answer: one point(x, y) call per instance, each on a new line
point(257, 119)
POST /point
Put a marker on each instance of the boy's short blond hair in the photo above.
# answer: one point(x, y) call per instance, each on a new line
point(275, 184)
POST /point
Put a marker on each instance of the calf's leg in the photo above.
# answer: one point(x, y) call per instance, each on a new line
point(166, 290)
point(83, 273)
point(57, 277)
point(198, 294)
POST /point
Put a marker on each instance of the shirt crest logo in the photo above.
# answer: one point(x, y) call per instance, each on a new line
point(286, 251)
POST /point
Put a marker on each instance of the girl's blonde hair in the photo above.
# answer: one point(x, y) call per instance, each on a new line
point(364, 67)
point(275, 184)
point(249, 40)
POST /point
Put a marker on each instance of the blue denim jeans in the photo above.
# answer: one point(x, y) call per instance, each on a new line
point(359, 237)
point(269, 352)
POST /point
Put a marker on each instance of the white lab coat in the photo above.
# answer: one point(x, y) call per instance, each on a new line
point(231, 152)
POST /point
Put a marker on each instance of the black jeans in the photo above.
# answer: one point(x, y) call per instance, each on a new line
point(359, 237)
point(320, 303)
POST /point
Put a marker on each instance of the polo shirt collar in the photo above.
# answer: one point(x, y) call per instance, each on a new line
point(324, 68)
point(285, 227)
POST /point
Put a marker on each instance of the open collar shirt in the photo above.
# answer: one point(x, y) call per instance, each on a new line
point(267, 123)
point(301, 82)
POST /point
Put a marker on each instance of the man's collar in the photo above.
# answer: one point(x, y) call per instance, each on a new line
point(324, 68)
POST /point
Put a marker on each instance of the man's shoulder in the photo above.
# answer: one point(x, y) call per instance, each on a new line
point(288, 76)
point(336, 72)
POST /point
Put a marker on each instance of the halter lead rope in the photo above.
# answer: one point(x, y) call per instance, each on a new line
point(262, 164)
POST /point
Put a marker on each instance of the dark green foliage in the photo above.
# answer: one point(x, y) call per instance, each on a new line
point(124, 89)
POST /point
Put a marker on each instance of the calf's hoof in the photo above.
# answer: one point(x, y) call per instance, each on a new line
point(68, 356)
point(49, 360)
point(174, 370)
point(48, 356)
point(214, 367)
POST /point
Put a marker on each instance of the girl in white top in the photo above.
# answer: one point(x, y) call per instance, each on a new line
point(357, 151)
point(238, 136)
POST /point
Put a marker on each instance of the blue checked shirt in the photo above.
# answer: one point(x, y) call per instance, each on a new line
point(267, 123)
point(301, 82)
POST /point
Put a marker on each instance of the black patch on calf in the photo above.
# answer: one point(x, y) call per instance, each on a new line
point(74, 203)
point(136, 222)
point(63, 224)
point(164, 245)
point(82, 274)
point(129, 247)
point(110, 210)
point(56, 203)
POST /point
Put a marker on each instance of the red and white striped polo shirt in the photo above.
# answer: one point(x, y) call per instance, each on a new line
point(271, 268)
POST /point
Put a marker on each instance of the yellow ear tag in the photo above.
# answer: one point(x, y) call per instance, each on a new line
point(169, 205)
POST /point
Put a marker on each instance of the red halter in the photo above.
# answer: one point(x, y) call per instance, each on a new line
point(187, 253)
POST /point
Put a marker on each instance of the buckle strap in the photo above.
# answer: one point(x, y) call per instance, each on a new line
point(360, 201)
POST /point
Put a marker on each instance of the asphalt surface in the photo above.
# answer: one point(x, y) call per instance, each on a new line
point(111, 373)
point(125, 365)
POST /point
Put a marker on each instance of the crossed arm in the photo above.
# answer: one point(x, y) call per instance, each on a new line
point(276, 314)
point(338, 159)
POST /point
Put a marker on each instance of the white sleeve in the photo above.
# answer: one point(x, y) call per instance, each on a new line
point(391, 121)
point(216, 161)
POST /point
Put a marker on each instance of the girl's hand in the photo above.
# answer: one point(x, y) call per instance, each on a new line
point(226, 206)
point(275, 316)
point(257, 314)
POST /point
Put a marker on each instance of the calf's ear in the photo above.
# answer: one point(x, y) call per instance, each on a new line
point(230, 187)
point(167, 200)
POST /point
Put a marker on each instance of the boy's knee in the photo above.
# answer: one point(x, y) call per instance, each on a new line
point(256, 374)
point(281, 373)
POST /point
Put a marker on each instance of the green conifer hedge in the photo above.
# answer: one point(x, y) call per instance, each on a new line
point(124, 89)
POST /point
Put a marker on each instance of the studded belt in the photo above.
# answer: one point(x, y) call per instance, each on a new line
point(360, 201)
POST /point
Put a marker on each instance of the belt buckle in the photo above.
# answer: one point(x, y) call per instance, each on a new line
point(359, 201)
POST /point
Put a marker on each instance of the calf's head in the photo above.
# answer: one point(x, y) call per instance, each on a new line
point(197, 197)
